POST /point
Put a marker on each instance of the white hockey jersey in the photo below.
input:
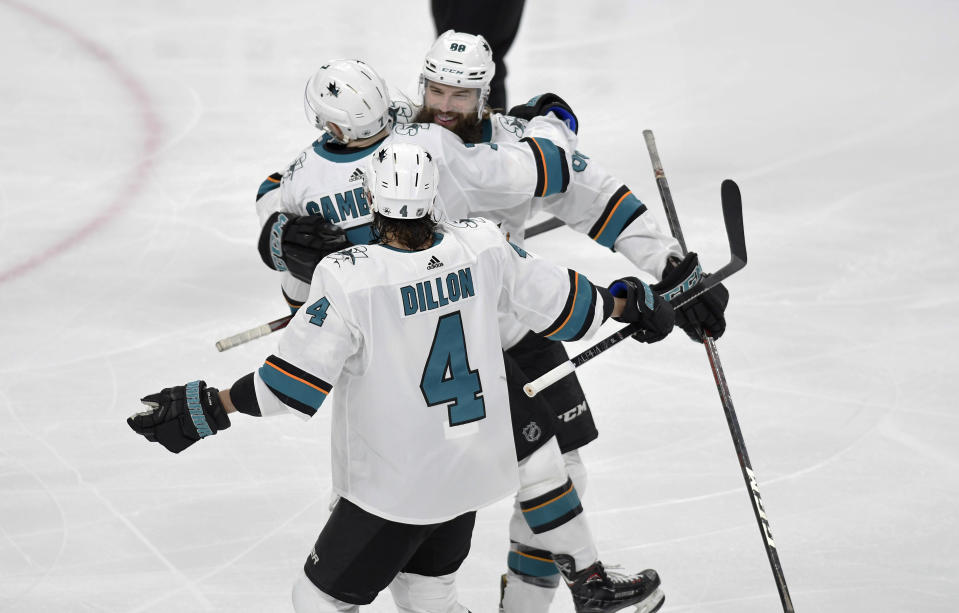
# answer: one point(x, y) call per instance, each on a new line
point(403, 346)
point(595, 203)
point(326, 179)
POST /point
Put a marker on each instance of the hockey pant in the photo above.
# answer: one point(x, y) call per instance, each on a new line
point(547, 517)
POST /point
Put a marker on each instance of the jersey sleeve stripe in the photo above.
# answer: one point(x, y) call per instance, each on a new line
point(295, 387)
point(623, 207)
point(552, 170)
point(291, 302)
point(271, 183)
point(552, 509)
point(576, 315)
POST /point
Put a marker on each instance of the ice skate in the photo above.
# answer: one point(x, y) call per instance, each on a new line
point(595, 590)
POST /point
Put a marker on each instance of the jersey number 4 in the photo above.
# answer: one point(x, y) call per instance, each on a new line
point(447, 377)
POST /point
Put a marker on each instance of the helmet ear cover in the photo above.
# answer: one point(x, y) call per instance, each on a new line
point(350, 95)
point(461, 60)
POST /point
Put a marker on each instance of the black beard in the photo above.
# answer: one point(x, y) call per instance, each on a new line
point(467, 127)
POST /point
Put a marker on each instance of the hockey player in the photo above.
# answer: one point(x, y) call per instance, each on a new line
point(317, 206)
point(305, 210)
point(495, 20)
point(454, 84)
point(421, 438)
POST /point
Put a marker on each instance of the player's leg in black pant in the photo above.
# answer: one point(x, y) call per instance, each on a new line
point(358, 554)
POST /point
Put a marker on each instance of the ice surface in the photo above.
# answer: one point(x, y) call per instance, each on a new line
point(134, 136)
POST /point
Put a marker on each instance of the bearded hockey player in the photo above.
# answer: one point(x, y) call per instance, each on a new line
point(421, 438)
point(477, 179)
point(454, 85)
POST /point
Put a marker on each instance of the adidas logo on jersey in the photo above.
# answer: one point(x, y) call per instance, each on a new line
point(434, 263)
point(357, 175)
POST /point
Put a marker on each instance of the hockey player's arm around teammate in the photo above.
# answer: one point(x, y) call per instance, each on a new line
point(297, 243)
point(398, 500)
point(316, 206)
point(677, 274)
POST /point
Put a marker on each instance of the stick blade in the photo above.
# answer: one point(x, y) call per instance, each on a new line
point(733, 218)
point(544, 226)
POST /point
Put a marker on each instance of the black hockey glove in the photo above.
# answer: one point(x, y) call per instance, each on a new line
point(298, 242)
point(707, 312)
point(547, 103)
point(645, 307)
point(180, 416)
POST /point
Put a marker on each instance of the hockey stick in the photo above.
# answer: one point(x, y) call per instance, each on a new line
point(733, 220)
point(543, 226)
point(278, 324)
point(245, 337)
point(738, 442)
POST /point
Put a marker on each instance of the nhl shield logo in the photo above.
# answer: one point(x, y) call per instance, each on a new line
point(532, 431)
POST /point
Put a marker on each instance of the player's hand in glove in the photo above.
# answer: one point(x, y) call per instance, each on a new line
point(644, 307)
point(298, 242)
point(547, 103)
point(179, 416)
point(707, 312)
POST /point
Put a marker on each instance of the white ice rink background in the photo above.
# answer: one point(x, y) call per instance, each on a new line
point(133, 136)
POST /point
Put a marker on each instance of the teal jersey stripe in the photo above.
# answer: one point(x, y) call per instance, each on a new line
point(486, 130)
point(563, 505)
point(553, 164)
point(294, 389)
point(531, 567)
point(270, 184)
point(628, 209)
point(360, 235)
point(581, 310)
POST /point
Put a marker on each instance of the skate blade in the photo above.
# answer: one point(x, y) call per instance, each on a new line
point(652, 603)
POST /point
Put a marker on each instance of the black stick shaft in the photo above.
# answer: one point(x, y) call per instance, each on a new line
point(664, 193)
point(713, 354)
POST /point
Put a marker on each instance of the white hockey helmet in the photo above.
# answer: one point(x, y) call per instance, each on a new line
point(400, 181)
point(351, 95)
point(461, 60)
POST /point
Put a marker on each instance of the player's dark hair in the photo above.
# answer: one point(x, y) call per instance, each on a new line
point(413, 234)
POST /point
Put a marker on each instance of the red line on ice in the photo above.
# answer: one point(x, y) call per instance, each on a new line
point(127, 192)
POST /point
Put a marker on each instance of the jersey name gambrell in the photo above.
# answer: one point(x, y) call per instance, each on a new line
point(348, 205)
point(438, 292)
